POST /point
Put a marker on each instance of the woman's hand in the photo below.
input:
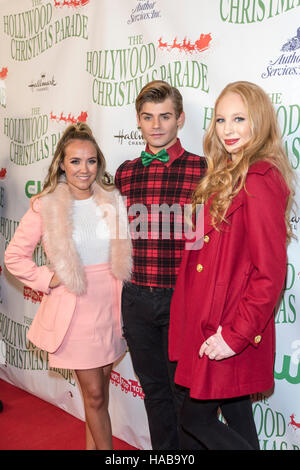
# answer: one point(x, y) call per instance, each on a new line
point(55, 281)
point(215, 347)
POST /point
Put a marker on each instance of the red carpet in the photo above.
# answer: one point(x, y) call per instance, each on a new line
point(29, 423)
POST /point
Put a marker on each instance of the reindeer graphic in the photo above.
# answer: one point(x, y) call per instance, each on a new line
point(161, 44)
point(3, 73)
point(293, 422)
point(3, 173)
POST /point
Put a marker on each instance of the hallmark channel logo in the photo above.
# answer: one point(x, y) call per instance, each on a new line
point(43, 83)
point(288, 62)
point(133, 137)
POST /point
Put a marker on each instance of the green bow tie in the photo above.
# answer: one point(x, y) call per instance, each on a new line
point(147, 158)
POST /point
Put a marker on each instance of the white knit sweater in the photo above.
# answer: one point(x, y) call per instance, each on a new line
point(90, 232)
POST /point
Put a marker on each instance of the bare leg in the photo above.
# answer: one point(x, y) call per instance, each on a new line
point(89, 441)
point(95, 390)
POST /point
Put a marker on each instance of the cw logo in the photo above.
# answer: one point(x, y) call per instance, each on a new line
point(32, 188)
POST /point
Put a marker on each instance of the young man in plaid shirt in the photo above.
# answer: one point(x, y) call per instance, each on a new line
point(165, 174)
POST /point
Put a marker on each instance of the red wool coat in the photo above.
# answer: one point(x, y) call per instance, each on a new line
point(234, 281)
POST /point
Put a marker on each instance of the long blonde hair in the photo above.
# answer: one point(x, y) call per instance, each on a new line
point(224, 178)
point(78, 131)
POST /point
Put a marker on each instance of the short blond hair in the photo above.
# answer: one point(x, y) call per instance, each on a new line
point(157, 92)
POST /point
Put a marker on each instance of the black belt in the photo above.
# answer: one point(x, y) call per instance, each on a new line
point(150, 288)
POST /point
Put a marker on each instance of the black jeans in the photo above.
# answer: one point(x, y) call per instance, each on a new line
point(200, 419)
point(146, 317)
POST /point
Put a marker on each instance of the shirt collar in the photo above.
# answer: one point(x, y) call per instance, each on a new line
point(175, 151)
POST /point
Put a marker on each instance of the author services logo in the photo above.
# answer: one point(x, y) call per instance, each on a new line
point(144, 10)
point(288, 62)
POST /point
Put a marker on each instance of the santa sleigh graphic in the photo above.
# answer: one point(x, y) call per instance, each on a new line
point(71, 119)
point(200, 45)
point(70, 3)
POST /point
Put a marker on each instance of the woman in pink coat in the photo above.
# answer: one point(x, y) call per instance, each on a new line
point(83, 225)
point(222, 314)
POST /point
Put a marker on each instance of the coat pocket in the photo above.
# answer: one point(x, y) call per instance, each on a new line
point(49, 309)
point(217, 307)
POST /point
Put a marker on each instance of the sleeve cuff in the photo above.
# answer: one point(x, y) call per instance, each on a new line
point(239, 340)
point(45, 276)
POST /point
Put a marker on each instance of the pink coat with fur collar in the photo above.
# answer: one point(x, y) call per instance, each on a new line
point(50, 219)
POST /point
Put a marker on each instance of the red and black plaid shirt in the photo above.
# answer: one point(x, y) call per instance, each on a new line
point(157, 244)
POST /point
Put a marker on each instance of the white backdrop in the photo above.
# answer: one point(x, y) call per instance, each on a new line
point(63, 61)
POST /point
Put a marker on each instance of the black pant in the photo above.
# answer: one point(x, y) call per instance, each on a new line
point(146, 317)
point(200, 419)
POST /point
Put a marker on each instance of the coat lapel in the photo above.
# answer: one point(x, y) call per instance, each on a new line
point(236, 203)
point(116, 218)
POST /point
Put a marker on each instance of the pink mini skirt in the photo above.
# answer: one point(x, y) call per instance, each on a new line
point(94, 337)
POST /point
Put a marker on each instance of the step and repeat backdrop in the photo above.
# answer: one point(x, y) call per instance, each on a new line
point(86, 60)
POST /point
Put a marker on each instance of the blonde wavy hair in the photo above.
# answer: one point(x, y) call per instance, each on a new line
point(78, 131)
point(225, 178)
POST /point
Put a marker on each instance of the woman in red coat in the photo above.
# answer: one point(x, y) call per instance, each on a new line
point(222, 314)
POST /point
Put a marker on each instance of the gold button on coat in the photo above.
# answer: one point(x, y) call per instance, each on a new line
point(206, 238)
point(257, 339)
point(199, 268)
